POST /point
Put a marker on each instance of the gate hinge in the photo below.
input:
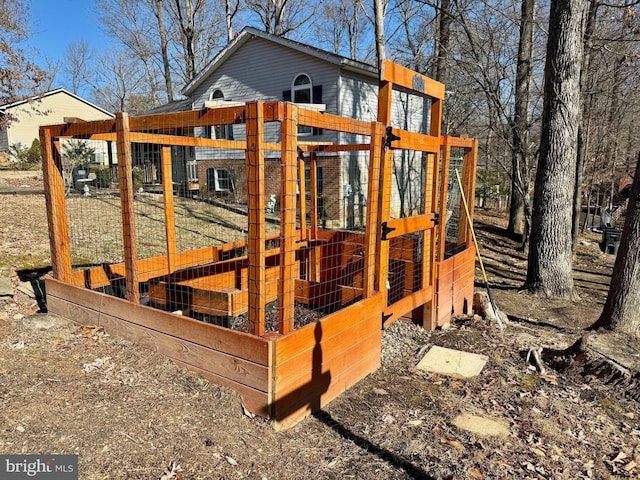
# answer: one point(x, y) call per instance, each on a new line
point(386, 230)
point(436, 218)
point(390, 137)
point(385, 318)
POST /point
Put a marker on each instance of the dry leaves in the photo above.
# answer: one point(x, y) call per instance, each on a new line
point(553, 380)
point(173, 471)
point(453, 443)
point(621, 463)
point(103, 364)
point(93, 333)
point(475, 473)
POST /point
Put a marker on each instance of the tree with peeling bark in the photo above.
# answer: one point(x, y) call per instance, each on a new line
point(621, 308)
point(444, 38)
point(550, 261)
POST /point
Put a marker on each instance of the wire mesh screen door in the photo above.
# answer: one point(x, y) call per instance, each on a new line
point(410, 105)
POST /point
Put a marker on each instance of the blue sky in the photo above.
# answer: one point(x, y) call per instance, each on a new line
point(56, 23)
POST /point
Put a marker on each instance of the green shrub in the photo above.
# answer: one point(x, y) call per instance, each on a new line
point(103, 176)
point(138, 178)
point(26, 158)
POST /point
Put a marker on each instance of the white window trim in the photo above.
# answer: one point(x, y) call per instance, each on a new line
point(216, 186)
point(294, 88)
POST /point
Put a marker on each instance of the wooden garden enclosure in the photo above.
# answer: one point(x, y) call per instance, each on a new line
point(284, 311)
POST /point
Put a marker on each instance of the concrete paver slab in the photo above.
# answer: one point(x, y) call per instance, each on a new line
point(453, 363)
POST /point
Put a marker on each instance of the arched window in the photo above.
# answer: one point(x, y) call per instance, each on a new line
point(301, 89)
point(301, 93)
point(216, 95)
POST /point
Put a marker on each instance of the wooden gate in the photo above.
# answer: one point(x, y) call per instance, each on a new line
point(409, 193)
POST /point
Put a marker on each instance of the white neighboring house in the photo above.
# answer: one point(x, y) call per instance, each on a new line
point(50, 108)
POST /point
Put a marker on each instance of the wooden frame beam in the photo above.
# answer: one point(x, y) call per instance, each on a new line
point(408, 79)
point(288, 186)
point(56, 207)
point(372, 232)
point(256, 203)
point(128, 215)
point(169, 208)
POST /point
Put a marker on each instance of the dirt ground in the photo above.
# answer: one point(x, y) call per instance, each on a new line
point(129, 413)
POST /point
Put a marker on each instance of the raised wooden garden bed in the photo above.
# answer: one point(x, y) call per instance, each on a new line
point(288, 320)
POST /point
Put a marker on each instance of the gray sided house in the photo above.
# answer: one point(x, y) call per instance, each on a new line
point(260, 66)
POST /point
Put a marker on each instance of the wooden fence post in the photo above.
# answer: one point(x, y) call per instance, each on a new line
point(372, 233)
point(256, 202)
point(288, 183)
point(125, 176)
point(56, 203)
point(386, 167)
point(469, 181)
point(169, 208)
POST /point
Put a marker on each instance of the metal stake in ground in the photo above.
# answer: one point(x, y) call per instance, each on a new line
point(496, 312)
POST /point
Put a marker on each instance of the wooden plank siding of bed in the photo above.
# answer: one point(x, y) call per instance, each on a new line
point(444, 290)
point(455, 284)
point(97, 277)
point(463, 280)
point(234, 359)
point(316, 363)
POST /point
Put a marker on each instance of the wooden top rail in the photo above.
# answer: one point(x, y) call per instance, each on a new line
point(457, 142)
point(156, 126)
point(311, 118)
point(415, 141)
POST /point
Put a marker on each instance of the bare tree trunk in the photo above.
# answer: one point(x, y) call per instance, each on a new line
point(354, 29)
point(444, 36)
point(228, 16)
point(583, 130)
point(521, 163)
point(621, 308)
point(550, 263)
point(186, 23)
point(164, 50)
point(379, 11)
point(280, 7)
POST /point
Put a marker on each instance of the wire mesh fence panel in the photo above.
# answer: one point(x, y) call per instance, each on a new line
point(324, 195)
point(239, 216)
point(93, 203)
point(455, 242)
point(410, 188)
point(412, 195)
